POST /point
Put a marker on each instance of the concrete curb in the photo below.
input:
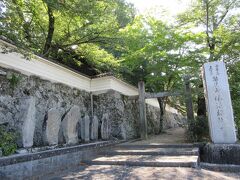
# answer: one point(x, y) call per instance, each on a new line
point(160, 152)
point(19, 158)
point(144, 164)
point(220, 167)
point(156, 146)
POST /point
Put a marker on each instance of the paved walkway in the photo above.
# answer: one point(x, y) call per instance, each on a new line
point(108, 172)
point(116, 172)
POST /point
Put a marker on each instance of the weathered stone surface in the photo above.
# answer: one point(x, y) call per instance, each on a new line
point(29, 120)
point(105, 127)
point(172, 118)
point(126, 112)
point(19, 114)
point(123, 113)
point(44, 148)
point(120, 110)
point(53, 123)
point(94, 128)
point(3, 73)
point(221, 153)
point(85, 122)
point(219, 105)
point(69, 125)
point(123, 131)
point(22, 151)
point(42, 164)
point(8, 107)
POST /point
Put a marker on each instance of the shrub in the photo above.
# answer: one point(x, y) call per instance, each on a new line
point(7, 141)
point(198, 130)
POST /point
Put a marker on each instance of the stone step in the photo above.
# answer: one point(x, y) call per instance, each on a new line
point(133, 146)
point(152, 151)
point(220, 167)
point(146, 161)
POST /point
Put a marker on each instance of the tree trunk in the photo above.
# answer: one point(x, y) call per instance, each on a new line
point(201, 105)
point(201, 111)
point(162, 108)
point(49, 38)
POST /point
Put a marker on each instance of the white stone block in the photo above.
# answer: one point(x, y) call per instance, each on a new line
point(219, 105)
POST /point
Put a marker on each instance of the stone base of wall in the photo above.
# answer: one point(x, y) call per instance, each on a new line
point(38, 165)
point(221, 153)
point(221, 167)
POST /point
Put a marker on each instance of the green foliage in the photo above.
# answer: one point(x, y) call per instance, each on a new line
point(158, 53)
point(198, 131)
point(14, 80)
point(161, 54)
point(234, 81)
point(7, 141)
point(99, 58)
point(105, 36)
point(52, 28)
point(219, 20)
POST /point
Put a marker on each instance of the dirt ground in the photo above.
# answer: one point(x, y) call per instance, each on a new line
point(170, 136)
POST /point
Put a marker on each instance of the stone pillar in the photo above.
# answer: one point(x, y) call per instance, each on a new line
point(219, 105)
point(53, 124)
point(94, 128)
point(105, 127)
point(29, 121)
point(188, 100)
point(69, 125)
point(142, 110)
point(85, 122)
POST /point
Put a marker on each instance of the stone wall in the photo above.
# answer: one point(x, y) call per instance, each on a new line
point(123, 114)
point(220, 153)
point(48, 113)
point(43, 165)
point(27, 101)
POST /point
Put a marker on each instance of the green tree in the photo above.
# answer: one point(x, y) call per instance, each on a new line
point(234, 81)
point(219, 21)
point(159, 54)
point(57, 28)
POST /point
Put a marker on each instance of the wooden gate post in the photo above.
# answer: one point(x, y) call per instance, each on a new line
point(188, 100)
point(142, 110)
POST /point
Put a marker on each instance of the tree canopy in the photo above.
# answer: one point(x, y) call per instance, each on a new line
point(67, 30)
point(97, 36)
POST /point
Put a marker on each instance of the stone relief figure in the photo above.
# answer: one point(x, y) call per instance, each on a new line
point(94, 128)
point(69, 125)
point(53, 124)
point(105, 127)
point(29, 121)
point(85, 123)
